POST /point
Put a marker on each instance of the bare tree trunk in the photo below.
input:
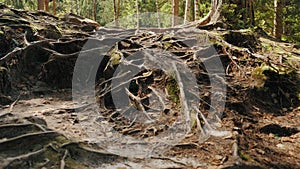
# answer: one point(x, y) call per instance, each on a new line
point(196, 9)
point(137, 14)
point(186, 11)
point(118, 11)
point(95, 10)
point(47, 5)
point(175, 12)
point(90, 2)
point(214, 13)
point(41, 4)
point(158, 16)
point(115, 13)
point(119, 6)
point(77, 7)
point(249, 13)
point(278, 18)
point(54, 7)
point(192, 10)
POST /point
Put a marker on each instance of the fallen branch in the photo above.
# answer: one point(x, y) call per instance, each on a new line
point(62, 161)
point(13, 104)
point(10, 55)
point(182, 96)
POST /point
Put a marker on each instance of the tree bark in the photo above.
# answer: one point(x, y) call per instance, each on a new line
point(250, 12)
point(41, 4)
point(158, 16)
point(137, 14)
point(175, 12)
point(47, 5)
point(54, 7)
point(278, 19)
point(213, 15)
point(95, 10)
point(186, 11)
point(196, 9)
point(115, 13)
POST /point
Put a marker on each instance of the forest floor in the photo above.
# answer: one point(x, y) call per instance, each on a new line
point(44, 124)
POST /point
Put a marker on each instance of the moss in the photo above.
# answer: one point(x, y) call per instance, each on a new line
point(245, 157)
point(173, 91)
point(51, 154)
point(61, 139)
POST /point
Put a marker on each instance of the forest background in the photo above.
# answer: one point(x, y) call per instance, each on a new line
point(280, 18)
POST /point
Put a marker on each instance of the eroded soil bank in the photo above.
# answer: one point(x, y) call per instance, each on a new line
point(41, 125)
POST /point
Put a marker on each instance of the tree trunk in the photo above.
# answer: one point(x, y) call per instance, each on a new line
point(54, 7)
point(186, 11)
point(137, 14)
point(214, 13)
point(196, 9)
point(250, 12)
point(95, 10)
point(47, 5)
point(115, 13)
point(158, 16)
point(244, 9)
point(278, 18)
point(118, 9)
point(175, 12)
point(41, 4)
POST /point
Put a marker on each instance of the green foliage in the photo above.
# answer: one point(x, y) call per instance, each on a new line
point(258, 76)
point(173, 91)
point(264, 18)
point(230, 16)
point(264, 13)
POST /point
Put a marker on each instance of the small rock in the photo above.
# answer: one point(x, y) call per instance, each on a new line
point(281, 146)
point(218, 157)
point(260, 151)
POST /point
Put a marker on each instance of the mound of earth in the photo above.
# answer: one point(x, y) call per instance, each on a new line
point(75, 95)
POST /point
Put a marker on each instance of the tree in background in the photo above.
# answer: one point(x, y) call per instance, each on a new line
point(278, 18)
point(186, 11)
point(54, 7)
point(47, 5)
point(175, 12)
point(41, 4)
point(95, 10)
point(214, 13)
point(116, 11)
point(158, 15)
point(238, 14)
point(196, 9)
point(137, 14)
